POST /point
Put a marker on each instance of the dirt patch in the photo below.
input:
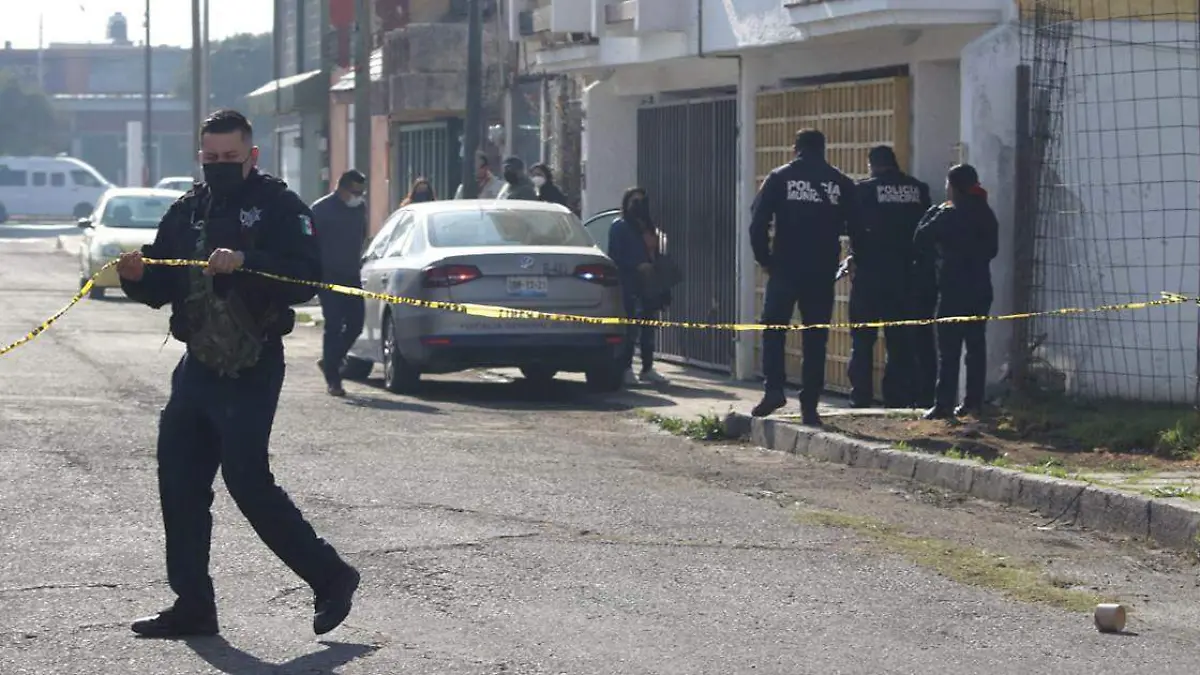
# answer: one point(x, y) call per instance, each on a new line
point(1057, 434)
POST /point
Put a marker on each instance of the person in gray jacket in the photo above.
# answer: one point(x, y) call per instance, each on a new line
point(516, 182)
point(341, 218)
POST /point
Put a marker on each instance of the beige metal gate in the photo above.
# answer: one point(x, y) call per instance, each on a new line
point(854, 117)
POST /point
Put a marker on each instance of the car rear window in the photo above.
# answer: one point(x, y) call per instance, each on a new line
point(135, 212)
point(506, 227)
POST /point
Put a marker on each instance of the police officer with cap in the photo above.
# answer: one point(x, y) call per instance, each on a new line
point(811, 203)
point(225, 389)
point(890, 205)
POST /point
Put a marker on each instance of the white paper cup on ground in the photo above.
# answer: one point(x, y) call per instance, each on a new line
point(1110, 618)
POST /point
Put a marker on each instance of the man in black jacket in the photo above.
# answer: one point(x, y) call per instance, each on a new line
point(811, 203)
point(225, 390)
point(890, 204)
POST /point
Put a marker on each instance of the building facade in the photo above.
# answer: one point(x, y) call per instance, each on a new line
point(98, 88)
point(298, 98)
point(698, 100)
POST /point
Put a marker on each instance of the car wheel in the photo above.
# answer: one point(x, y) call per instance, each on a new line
point(83, 210)
point(357, 369)
point(606, 379)
point(398, 376)
point(538, 374)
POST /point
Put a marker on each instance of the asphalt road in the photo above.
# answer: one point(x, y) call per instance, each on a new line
point(503, 531)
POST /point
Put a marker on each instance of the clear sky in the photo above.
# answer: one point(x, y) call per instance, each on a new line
point(86, 20)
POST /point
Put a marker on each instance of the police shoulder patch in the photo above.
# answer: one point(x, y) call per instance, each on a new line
point(306, 225)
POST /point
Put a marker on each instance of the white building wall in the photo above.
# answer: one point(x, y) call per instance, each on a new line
point(989, 138)
point(609, 146)
point(1130, 223)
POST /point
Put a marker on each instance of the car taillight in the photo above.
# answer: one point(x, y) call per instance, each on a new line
point(443, 276)
point(605, 275)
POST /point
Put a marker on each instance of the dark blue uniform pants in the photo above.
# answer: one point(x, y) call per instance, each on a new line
point(873, 302)
point(344, 315)
point(210, 422)
point(924, 350)
point(814, 298)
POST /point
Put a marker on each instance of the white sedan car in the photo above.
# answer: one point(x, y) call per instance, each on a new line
point(511, 253)
point(125, 220)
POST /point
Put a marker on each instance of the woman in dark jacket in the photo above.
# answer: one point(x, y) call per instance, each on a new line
point(959, 239)
point(633, 246)
point(543, 180)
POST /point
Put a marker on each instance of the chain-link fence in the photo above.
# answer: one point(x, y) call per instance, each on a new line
point(1111, 207)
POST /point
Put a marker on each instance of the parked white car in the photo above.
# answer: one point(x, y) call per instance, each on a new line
point(181, 183)
point(126, 219)
point(49, 187)
point(512, 253)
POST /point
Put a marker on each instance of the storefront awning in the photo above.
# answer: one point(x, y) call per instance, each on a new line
point(306, 91)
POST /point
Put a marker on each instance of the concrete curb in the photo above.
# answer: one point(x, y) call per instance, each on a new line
point(1171, 523)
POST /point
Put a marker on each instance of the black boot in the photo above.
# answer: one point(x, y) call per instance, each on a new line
point(333, 604)
point(771, 401)
point(172, 623)
point(809, 417)
point(969, 409)
point(937, 412)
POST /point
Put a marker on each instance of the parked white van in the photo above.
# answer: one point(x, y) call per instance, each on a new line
point(49, 187)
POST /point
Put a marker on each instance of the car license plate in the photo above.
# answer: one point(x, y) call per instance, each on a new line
point(530, 287)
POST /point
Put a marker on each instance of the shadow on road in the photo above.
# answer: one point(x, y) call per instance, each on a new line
point(391, 404)
point(220, 654)
point(521, 394)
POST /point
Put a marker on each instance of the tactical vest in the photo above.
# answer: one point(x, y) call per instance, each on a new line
point(222, 333)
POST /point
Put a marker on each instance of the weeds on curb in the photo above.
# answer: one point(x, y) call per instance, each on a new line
point(707, 427)
point(1016, 579)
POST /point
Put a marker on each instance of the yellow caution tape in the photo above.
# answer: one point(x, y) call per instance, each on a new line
point(495, 312)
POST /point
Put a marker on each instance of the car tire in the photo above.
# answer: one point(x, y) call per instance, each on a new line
point(82, 210)
point(398, 376)
point(357, 370)
point(607, 379)
point(538, 374)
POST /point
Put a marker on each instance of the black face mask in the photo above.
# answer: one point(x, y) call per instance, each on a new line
point(638, 207)
point(422, 196)
point(223, 178)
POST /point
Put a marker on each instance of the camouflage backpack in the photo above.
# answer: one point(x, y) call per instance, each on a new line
point(222, 333)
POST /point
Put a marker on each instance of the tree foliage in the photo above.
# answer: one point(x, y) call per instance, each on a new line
point(240, 64)
point(28, 125)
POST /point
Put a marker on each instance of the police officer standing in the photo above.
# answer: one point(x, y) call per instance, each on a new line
point(811, 203)
point(225, 390)
point(960, 238)
point(890, 205)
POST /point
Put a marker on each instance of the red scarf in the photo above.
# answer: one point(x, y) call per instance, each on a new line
point(978, 191)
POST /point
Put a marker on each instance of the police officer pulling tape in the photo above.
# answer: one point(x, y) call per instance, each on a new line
point(890, 205)
point(811, 204)
point(225, 389)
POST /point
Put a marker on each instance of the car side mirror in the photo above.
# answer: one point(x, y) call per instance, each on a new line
point(84, 223)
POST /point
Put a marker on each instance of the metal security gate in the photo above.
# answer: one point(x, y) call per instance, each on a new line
point(687, 162)
point(429, 149)
point(854, 116)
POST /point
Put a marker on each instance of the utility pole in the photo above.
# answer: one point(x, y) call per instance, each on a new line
point(206, 70)
point(147, 129)
point(474, 123)
point(197, 104)
point(277, 58)
point(362, 88)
